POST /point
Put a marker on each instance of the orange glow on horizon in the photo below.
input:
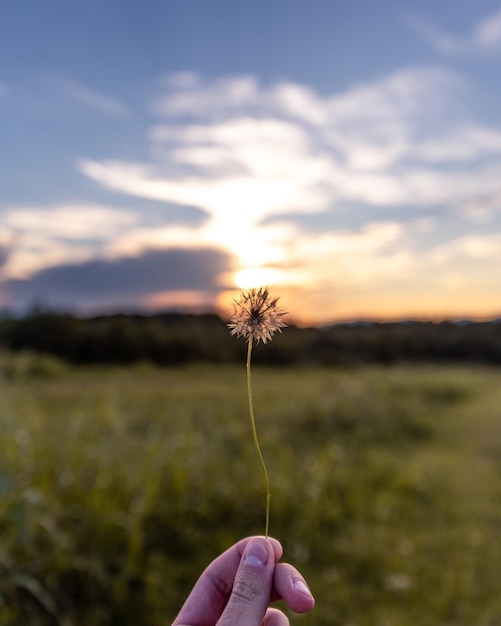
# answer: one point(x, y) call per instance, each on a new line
point(178, 299)
point(309, 307)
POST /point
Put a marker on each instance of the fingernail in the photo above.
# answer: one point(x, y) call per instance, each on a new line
point(299, 585)
point(256, 554)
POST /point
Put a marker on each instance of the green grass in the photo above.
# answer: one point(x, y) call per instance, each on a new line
point(118, 486)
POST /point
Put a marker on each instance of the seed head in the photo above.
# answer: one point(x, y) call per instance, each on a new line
point(256, 315)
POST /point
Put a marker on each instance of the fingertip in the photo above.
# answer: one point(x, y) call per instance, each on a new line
point(257, 552)
point(306, 601)
point(291, 586)
point(277, 548)
point(275, 544)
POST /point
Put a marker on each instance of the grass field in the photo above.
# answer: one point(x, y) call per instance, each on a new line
point(118, 486)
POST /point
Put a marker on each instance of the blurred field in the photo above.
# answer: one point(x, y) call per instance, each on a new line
point(118, 485)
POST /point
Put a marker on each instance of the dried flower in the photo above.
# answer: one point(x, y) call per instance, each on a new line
point(256, 315)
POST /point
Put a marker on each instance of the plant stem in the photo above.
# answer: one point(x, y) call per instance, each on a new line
point(254, 433)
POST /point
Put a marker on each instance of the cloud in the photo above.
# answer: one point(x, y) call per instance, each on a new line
point(348, 255)
point(234, 168)
point(487, 34)
point(484, 38)
point(258, 160)
point(70, 221)
point(126, 281)
point(247, 152)
point(62, 98)
point(402, 92)
point(467, 143)
point(470, 247)
point(382, 269)
point(92, 98)
point(187, 94)
point(4, 249)
point(436, 38)
point(401, 154)
point(41, 237)
point(483, 209)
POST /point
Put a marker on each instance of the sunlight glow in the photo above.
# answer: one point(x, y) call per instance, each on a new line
point(256, 277)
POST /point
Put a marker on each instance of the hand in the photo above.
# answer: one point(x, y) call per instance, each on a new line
point(236, 588)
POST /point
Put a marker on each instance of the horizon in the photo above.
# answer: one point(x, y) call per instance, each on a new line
point(225, 315)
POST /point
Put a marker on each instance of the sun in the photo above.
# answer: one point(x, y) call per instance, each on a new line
point(256, 276)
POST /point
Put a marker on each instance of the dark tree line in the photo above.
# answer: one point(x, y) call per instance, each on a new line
point(174, 339)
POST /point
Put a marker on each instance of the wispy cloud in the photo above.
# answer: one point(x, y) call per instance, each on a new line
point(485, 37)
point(91, 98)
point(487, 34)
point(70, 221)
point(439, 40)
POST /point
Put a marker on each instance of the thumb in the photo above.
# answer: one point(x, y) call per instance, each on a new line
point(251, 591)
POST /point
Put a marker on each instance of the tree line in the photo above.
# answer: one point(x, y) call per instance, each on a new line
point(176, 339)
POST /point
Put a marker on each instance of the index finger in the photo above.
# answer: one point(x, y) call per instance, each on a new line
point(211, 592)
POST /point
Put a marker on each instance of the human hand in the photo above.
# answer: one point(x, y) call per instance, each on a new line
point(238, 586)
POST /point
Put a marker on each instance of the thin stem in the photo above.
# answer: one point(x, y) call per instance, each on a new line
point(254, 433)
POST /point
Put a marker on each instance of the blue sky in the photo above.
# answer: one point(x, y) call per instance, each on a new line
point(166, 154)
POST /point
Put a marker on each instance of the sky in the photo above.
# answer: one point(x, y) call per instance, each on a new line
point(162, 155)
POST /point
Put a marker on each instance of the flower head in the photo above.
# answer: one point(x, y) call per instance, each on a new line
point(256, 315)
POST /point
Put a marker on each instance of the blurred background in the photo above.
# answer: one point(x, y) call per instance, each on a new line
point(158, 156)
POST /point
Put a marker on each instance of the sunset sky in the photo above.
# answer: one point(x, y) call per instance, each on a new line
point(159, 154)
